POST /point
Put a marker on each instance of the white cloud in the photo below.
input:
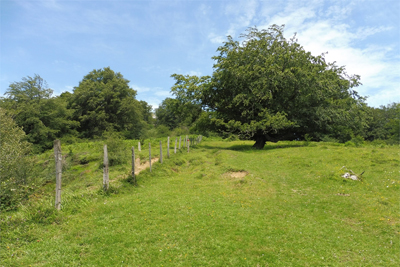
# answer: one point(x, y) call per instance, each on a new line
point(139, 89)
point(163, 93)
point(194, 73)
point(216, 39)
point(328, 32)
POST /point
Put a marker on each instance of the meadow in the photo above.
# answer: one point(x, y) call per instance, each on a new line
point(221, 204)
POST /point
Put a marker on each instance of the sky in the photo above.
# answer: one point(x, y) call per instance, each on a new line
point(148, 41)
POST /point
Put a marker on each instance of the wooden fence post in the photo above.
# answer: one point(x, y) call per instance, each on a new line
point(180, 137)
point(139, 148)
point(150, 155)
point(168, 148)
point(188, 144)
point(160, 153)
point(176, 141)
point(133, 166)
point(105, 170)
point(58, 158)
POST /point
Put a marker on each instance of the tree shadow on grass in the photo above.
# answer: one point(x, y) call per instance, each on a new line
point(268, 146)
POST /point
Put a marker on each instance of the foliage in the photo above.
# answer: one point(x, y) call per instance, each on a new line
point(43, 118)
point(174, 112)
point(15, 166)
point(385, 123)
point(270, 88)
point(103, 100)
point(167, 114)
point(117, 152)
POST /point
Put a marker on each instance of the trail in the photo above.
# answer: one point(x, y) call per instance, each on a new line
point(140, 167)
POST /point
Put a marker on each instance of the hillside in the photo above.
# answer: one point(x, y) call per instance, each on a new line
point(221, 204)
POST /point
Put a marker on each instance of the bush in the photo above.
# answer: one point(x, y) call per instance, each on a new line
point(358, 140)
point(117, 151)
point(328, 139)
point(232, 137)
point(15, 165)
point(349, 143)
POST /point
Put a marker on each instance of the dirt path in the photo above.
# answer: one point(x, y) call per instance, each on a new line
point(140, 167)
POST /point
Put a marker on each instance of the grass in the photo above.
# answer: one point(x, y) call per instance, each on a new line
point(291, 209)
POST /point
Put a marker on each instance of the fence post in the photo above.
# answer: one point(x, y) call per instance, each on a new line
point(150, 155)
point(160, 153)
point(139, 148)
point(58, 158)
point(176, 141)
point(105, 170)
point(168, 148)
point(188, 144)
point(180, 137)
point(133, 166)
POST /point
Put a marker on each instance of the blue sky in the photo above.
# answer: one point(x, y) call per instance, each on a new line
point(147, 41)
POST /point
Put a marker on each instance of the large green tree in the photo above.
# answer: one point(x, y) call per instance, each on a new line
point(42, 117)
point(268, 88)
point(104, 101)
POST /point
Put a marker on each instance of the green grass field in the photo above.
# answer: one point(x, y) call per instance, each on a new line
point(223, 204)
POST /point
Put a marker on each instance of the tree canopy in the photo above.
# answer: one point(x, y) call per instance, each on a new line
point(42, 117)
point(268, 88)
point(104, 101)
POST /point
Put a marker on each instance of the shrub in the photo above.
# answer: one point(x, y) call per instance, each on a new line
point(117, 151)
point(15, 166)
point(358, 140)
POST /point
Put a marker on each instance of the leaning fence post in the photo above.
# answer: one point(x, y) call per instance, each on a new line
point(160, 153)
point(139, 148)
point(58, 158)
point(176, 140)
point(150, 155)
point(105, 169)
point(168, 148)
point(133, 166)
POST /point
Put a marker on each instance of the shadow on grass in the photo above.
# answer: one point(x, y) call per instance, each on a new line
point(268, 146)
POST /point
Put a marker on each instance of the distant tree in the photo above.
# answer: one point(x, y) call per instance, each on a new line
point(268, 88)
point(147, 111)
point(42, 117)
point(167, 113)
point(385, 123)
point(30, 89)
point(104, 101)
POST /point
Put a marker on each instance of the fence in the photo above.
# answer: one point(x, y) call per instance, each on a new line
point(58, 160)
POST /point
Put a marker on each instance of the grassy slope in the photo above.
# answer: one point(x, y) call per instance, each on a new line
point(292, 209)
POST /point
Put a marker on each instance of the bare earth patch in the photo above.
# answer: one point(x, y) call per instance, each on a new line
point(240, 174)
point(140, 167)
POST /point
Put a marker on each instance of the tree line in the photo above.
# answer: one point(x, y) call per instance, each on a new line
point(265, 88)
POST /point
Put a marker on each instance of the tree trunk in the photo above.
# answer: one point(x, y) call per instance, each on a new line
point(260, 141)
